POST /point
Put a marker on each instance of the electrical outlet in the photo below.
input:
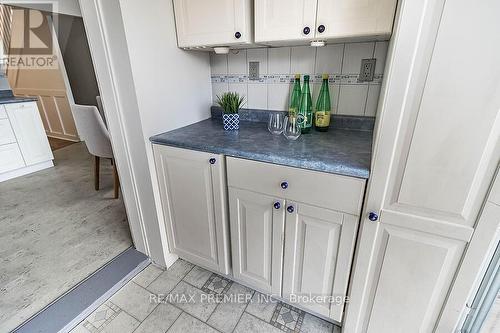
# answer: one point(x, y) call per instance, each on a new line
point(253, 70)
point(367, 70)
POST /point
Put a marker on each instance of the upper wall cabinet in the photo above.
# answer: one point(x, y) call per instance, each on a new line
point(202, 23)
point(281, 21)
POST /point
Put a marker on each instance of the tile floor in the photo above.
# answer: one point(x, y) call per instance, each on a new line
point(183, 299)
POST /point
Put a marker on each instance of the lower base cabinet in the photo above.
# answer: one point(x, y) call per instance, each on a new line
point(298, 250)
point(193, 194)
point(257, 223)
point(319, 245)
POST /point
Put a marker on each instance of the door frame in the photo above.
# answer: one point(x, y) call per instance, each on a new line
point(148, 234)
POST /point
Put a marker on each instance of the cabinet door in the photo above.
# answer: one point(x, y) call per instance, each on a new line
point(319, 245)
point(212, 23)
point(284, 20)
point(257, 239)
point(193, 200)
point(433, 162)
point(6, 133)
point(355, 18)
point(28, 128)
point(10, 158)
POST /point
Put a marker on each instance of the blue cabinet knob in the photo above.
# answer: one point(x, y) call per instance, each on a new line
point(237, 35)
point(277, 205)
point(372, 216)
point(212, 160)
point(284, 185)
point(290, 209)
point(321, 29)
point(306, 30)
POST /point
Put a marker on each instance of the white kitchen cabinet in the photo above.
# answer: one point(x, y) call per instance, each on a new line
point(30, 134)
point(202, 23)
point(319, 245)
point(257, 223)
point(433, 163)
point(10, 158)
point(193, 194)
point(284, 20)
point(354, 19)
point(281, 21)
point(6, 132)
point(312, 253)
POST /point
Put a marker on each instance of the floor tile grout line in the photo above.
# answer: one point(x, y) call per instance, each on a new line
point(169, 327)
point(244, 310)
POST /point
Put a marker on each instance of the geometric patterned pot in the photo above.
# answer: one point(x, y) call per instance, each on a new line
point(231, 121)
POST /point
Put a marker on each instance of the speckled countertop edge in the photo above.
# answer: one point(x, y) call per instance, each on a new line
point(338, 151)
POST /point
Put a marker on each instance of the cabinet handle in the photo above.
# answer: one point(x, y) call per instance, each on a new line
point(306, 30)
point(290, 209)
point(237, 35)
point(321, 29)
point(212, 160)
point(372, 216)
point(284, 185)
point(277, 205)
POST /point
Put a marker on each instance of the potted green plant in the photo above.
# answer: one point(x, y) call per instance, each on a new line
point(230, 102)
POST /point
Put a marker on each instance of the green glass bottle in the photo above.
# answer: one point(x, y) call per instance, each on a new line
point(295, 98)
point(305, 106)
point(323, 107)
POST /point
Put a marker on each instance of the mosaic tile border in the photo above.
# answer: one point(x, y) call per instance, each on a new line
point(289, 78)
point(277, 313)
point(206, 286)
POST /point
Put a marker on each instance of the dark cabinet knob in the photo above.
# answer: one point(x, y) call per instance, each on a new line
point(277, 205)
point(212, 160)
point(237, 35)
point(290, 209)
point(321, 29)
point(284, 185)
point(372, 216)
point(306, 30)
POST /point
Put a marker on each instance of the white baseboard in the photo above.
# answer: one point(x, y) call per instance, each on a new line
point(26, 170)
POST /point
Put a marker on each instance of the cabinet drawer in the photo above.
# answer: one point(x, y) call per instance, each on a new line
point(10, 158)
point(6, 133)
point(326, 190)
point(3, 114)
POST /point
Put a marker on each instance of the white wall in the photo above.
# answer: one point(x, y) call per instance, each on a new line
point(68, 7)
point(173, 87)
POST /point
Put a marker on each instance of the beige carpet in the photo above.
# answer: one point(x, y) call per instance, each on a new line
point(55, 230)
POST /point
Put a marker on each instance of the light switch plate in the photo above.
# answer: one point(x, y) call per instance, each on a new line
point(367, 70)
point(253, 70)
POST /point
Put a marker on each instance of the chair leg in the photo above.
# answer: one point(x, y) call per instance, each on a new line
point(96, 172)
point(116, 180)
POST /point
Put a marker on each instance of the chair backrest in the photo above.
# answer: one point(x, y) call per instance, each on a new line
point(92, 130)
point(101, 109)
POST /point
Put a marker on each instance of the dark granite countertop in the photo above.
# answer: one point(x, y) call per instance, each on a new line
point(16, 99)
point(340, 151)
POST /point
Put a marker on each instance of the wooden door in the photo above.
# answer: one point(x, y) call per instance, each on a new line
point(193, 199)
point(257, 223)
point(284, 20)
point(319, 245)
point(212, 23)
point(29, 131)
point(47, 84)
point(433, 162)
point(354, 18)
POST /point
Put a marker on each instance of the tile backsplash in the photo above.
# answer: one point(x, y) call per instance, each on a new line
point(277, 67)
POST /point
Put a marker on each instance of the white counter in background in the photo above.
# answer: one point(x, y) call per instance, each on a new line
point(24, 147)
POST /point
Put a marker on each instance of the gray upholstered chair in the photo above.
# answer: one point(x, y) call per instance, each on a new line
point(92, 130)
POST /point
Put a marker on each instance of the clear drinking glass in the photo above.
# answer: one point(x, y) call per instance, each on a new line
point(275, 124)
point(292, 127)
